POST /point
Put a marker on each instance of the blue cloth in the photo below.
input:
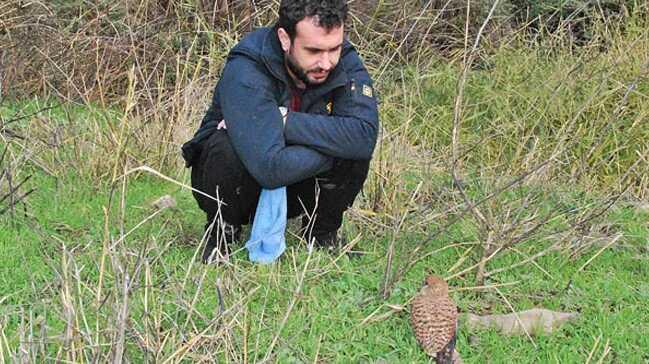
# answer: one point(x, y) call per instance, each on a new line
point(267, 241)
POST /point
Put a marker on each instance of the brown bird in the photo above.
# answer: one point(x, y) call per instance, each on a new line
point(433, 316)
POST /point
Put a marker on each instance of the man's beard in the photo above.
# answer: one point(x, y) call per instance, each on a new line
point(299, 72)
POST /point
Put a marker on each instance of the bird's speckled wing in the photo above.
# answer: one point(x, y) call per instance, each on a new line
point(434, 322)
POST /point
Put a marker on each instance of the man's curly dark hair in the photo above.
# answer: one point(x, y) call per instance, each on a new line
point(329, 13)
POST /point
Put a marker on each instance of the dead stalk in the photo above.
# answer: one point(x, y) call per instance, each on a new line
point(511, 308)
point(395, 234)
point(289, 309)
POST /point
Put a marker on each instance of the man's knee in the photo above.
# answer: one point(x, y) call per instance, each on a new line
point(220, 174)
point(349, 175)
point(338, 189)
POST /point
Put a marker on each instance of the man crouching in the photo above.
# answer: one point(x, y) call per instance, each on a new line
point(294, 107)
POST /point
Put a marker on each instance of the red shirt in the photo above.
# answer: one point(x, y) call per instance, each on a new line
point(296, 100)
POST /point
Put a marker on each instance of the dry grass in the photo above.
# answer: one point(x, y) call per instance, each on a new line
point(472, 159)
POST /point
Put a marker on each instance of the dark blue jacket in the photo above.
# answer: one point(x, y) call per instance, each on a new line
point(338, 118)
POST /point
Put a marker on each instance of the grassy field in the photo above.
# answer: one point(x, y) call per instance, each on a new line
point(521, 179)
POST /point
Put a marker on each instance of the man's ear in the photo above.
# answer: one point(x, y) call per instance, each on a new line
point(284, 39)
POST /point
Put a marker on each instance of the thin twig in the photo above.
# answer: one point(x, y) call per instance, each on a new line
point(592, 351)
point(517, 317)
point(296, 295)
point(5, 123)
point(599, 252)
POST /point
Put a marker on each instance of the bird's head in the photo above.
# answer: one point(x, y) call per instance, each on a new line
point(436, 285)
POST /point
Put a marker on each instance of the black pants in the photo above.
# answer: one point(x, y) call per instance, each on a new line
point(219, 171)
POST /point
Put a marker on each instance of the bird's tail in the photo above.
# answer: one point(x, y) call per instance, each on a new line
point(445, 356)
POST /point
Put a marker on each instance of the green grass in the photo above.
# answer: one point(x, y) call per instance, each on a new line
point(330, 318)
point(52, 246)
point(335, 299)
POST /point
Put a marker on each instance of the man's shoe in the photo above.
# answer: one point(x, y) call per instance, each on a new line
point(332, 242)
point(217, 248)
point(328, 241)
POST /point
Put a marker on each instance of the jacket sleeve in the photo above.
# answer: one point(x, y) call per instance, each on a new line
point(255, 128)
point(213, 114)
point(351, 130)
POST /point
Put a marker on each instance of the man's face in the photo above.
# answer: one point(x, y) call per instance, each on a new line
point(314, 52)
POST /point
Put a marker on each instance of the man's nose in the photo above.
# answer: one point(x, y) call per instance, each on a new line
point(325, 62)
